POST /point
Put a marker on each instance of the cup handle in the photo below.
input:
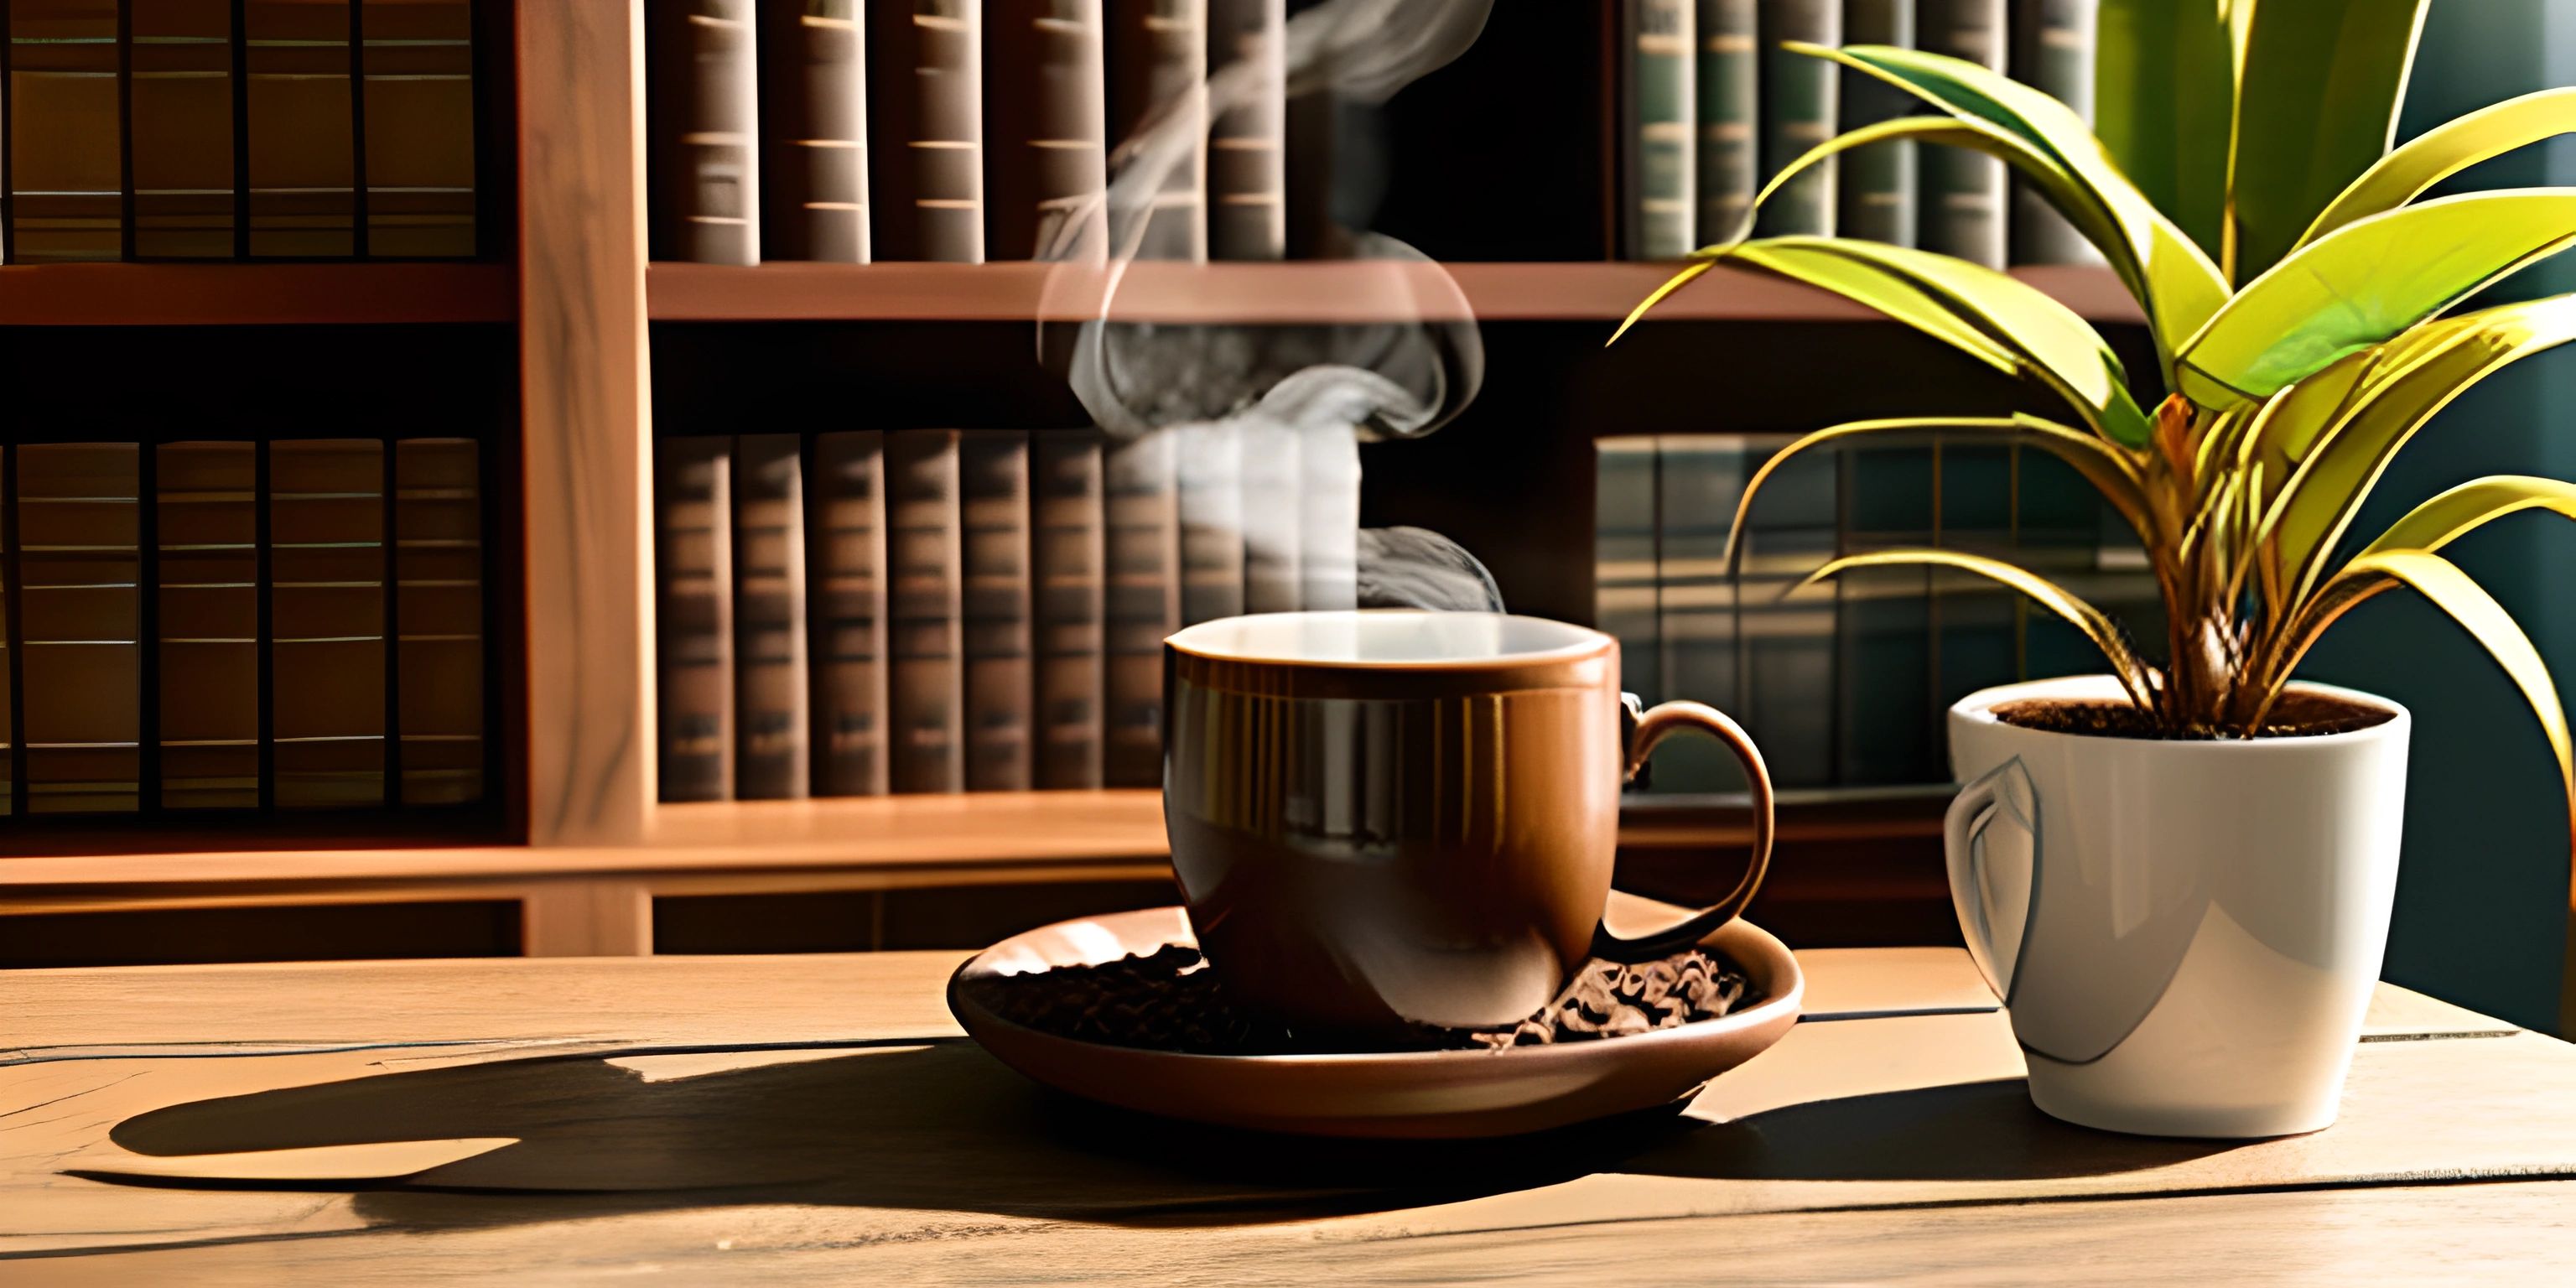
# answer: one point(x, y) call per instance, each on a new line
point(1644, 729)
point(2003, 793)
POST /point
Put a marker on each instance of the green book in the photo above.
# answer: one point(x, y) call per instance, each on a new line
point(179, 98)
point(1730, 111)
point(1700, 481)
point(1659, 192)
point(2052, 51)
point(1876, 197)
point(66, 189)
point(1623, 560)
point(207, 588)
point(1976, 623)
point(1889, 731)
point(1962, 192)
point(1799, 111)
point(1786, 632)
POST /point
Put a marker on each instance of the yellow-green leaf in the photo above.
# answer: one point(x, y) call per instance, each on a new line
point(2471, 505)
point(2366, 282)
point(1677, 281)
point(2164, 103)
point(2096, 625)
point(2316, 96)
point(1879, 288)
point(2445, 150)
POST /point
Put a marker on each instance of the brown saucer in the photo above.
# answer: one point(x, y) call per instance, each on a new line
point(1421, 1094)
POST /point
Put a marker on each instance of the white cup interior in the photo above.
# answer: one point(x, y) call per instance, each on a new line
point(1392, 636)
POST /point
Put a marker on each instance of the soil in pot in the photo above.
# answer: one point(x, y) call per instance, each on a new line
point(2294, 715)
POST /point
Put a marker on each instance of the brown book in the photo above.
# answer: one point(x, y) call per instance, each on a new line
point(848, 609)
point(180, 102)
point(1143, 555)
point(814, 123)
point(303, 167)
point(693, 616)
point(925, 737)
point(81, 678)
point(1156, 68)
point(704, 112)
point(993, 507)
point(416, 61)
point(1045, 164)
point(1207, 461)
point(327, 620)
point(438, 620)
point(1066, 554)
point(207, 588)
point(769, 684)
point(1247, 174)
point(926, 113)
point(66, 187)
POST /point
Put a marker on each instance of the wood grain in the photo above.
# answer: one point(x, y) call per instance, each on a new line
point(254, 294)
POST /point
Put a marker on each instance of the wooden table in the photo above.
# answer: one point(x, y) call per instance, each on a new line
point(821, 1120)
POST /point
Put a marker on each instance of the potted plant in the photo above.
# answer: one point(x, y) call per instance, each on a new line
point(2178, 874)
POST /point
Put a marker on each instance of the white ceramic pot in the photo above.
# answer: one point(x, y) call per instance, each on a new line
point(2184, 934)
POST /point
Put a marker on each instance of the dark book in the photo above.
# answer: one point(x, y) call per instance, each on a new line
point(993, 508)
point(207, 593)
point(1785, 633)
point(1143, 550)
point(1888, 731)
point(1659, 190)
point(1699, 479)
point(416, 75)
point(302, 151)
point(1729, 83)
point(1045, 130)
point(1876, 183)
point(693, 616)
point(704, 110)
point(1800, 109)
point(1207, 467)
point(2052, 51)
point(66, 186)
point(1961, 209)
point(1624, 598)
point(179, 97)
point(925, 740)
point(814, 122)
point(1156, 62)
point(1067, 556)
point(438, 620)
point(847, 577)
point(770, 690)
point(1247, 173)
point(328, 614)
point(1975, 622)
point(79, 529)
point(926, 117)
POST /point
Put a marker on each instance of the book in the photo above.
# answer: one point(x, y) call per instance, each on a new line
point(769, 678)
point(66, 180)
point(1069, 586)
point(416, 84)
point(179, 104)
point(1624, 586)
point(1207, 469)
point(78, 542)
point(328, 618)
point(1157, 69)
point(1728, 79)
point(814, 126)
point(1142, 547)
point(1045, 107)
point(1268, 474)
point(993, 505)
point(299, 123)
point(438, 620)
point(847, 580)
point(705, 127)
point(1961, 204)
point(1875, 184)
point(1698, 481)
point(1247, 147)
point(207, 585)
point(1800, 106)
point(1889, 731)
point(1785, 633)
point(925, 111)
point(693, 616)
point(2052, 51)
point(925, 735)
point(1328, 523)
point(1659, 191)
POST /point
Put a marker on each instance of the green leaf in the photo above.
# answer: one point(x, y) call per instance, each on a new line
point(2164, 104)
point(2445, 150)
point(2472, 505)
point(2364, 283)
point(2316, 98)
point(2097, 626)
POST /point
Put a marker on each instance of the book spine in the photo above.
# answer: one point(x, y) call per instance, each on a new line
point(925, 106)
point(1889, 730)
point(1660, 187)
point(1045, 118)
point(328, 614)
point(925, 738)
point(1208, 464)
point(1961, 209)
point(416, 82)
point(78, 566)
point(708, 131)
point(66, 187)
point(1143, 550)
point(1068, 576)
point(179, 101)
point(993, 503)
point(300, 129)
point(207, 586)
point(1328, 526)
point(1269, 476)
point(438, 620)
point(693, 616)
point(2052, 51)
point(1728, 80)
point(1698, 481)
point(848, 581)
point(1248, 138)
point(1784, 631)
point(1799, 111)
point(1157, 73)
point(1876, 198)
point(814, 126)
point(770, 689)
point(1624, 599)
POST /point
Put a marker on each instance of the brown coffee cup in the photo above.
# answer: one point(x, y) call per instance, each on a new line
point(1388, 817)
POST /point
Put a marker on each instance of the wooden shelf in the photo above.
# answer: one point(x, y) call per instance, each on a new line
point(1346, 291)
point(237, 294)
